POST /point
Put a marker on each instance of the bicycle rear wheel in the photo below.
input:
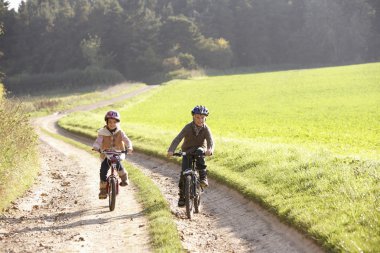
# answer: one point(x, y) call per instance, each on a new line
point(112, 194)
point(188, 197)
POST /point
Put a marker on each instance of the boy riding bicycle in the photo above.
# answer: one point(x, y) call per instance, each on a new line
point(113, 138)
point(197, 137)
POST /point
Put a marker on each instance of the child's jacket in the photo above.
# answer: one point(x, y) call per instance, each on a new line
point(194, 137)
point(116, 140)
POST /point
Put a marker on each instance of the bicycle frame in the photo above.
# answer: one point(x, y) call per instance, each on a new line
point(112, 162)
point(192, 187)
point(194, 177)
point(113, 157)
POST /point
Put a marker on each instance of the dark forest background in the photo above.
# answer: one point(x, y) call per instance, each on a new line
point(61, 42)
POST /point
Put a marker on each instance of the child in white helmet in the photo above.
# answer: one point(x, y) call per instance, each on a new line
point(111, 137)
point(197, 137)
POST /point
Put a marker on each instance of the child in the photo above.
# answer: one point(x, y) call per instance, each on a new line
point(197, 137)
point(111, 137)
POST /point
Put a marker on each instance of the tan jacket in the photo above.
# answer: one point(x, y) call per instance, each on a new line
point(116, 140)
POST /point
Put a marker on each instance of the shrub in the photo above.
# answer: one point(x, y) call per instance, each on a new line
point(1, 92)
point(171, 64)
point(187, 61)
point(179, 74)
point(18, 159)
point(214, 53)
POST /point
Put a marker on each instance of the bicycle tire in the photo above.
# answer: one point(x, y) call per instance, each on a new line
point(197, 203)
point(188, 198)
point(112, 194)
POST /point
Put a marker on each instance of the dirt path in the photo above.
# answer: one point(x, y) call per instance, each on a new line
point(62, 212)
point(227, 222)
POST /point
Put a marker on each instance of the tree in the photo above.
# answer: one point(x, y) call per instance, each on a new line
point(180, 34)
point(374, 44)
point(6, 18)
point(336, 31)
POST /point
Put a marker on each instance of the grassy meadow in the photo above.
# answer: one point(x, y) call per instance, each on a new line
point(304, 143)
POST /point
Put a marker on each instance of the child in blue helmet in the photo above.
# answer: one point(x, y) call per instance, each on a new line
point(111, 137)
point(196, 135)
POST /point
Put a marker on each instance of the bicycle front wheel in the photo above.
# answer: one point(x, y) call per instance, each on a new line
point(197, 202)
point(188, 197)
point(112, 194)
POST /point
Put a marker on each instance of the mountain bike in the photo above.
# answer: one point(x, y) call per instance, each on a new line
point(192, 187)
point(113, 158)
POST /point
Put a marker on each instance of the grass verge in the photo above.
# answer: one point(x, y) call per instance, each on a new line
point(304, 144)
point(19, 163)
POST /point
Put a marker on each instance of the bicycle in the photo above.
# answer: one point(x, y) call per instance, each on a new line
point(192, 187)
point(113, 158)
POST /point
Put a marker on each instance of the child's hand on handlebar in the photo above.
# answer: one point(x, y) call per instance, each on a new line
point(169, 154)
point(130, 150)
point(208, 152)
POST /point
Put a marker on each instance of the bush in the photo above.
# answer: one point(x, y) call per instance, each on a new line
point(18, 159)
point(171, 64)
point(68, 80)
point(1, 92)
point(214, 53)
point(179, 74)
point(187, 61)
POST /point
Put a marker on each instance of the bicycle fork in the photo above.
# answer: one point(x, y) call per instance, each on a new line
point(112, 176)
point(194, 183)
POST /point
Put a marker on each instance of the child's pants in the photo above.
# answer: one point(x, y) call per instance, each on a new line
point(104, 167)
point(186, 163)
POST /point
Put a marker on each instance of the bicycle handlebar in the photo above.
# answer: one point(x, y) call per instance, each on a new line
point(180, 153)
point(114, 152)
point(110, 152)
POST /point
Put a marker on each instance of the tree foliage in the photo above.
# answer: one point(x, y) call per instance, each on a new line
point(135, 37)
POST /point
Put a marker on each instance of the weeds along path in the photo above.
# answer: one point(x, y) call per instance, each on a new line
point(62, 212)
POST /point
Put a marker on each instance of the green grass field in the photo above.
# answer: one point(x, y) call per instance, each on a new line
point(305, 143)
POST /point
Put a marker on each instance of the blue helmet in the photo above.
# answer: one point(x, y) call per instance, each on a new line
point(200, 109)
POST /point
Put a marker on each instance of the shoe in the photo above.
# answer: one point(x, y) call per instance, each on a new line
point(124, 180)
point(203, 178)
point(124, 183)
point(103, 190)
point(181, 202)
point(204, 182)
point(102, 194)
